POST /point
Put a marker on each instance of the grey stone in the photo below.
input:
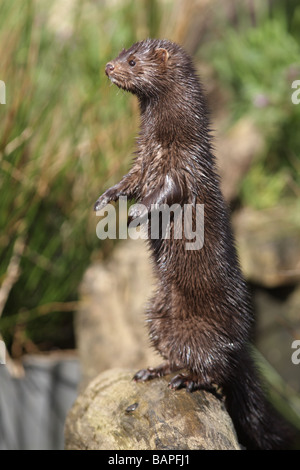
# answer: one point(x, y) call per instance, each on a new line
point(115, 413)
point(268, 243)
point(110, 325)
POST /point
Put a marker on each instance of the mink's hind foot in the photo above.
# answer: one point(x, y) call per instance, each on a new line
point(154, 372)
point(146, 374)
point(191, 382)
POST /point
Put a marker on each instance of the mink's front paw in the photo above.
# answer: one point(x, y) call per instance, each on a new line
point(110, 195)
point(100, 203)
point(138, 211)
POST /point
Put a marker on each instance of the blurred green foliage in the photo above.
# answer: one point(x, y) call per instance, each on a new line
point(58, 139)
point(257, 59)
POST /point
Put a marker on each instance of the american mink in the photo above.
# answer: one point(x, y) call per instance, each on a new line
point(200, 318)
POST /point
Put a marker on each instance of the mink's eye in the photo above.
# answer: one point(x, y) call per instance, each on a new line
point(131, 63)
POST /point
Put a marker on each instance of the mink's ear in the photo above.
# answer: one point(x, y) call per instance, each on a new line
point(162, 55)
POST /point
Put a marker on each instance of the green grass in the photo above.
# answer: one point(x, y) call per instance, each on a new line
point(60, 136)
point(258, 64)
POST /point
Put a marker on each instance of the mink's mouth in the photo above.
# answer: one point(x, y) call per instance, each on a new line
point(116, 76)
point(118, 82)
point(113, 80)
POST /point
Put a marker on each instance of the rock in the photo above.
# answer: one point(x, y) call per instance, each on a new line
point(277, 327)
point(110, 326)
point(115, 413)
point(268, 243)
point(235, 151)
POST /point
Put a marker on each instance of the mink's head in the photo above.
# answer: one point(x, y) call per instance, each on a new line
point(150, 68)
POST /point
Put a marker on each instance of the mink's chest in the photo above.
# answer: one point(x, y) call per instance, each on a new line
point(155, 165)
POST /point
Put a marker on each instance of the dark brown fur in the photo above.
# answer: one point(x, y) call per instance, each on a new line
point(200, 318)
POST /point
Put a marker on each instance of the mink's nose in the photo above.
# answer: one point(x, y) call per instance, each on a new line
point(109, 68)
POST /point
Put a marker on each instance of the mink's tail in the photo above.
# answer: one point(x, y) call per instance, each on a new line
point(257, 425)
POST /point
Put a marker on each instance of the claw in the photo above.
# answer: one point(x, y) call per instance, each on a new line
point(152, 372)
point(144, 374)
point(190, 386)
point(177, 382)
point(189, 382)
point(96, 206)
point(100, 204)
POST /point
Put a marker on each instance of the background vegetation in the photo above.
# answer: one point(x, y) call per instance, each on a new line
point(65, 136)
point(258, 59)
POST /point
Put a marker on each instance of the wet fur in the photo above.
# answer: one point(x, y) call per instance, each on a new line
point(200, 318)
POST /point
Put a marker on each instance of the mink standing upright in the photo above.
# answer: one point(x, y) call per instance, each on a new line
point(200, 318)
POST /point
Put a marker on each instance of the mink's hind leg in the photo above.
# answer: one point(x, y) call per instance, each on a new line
point(159, 320)
point(153, 372)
